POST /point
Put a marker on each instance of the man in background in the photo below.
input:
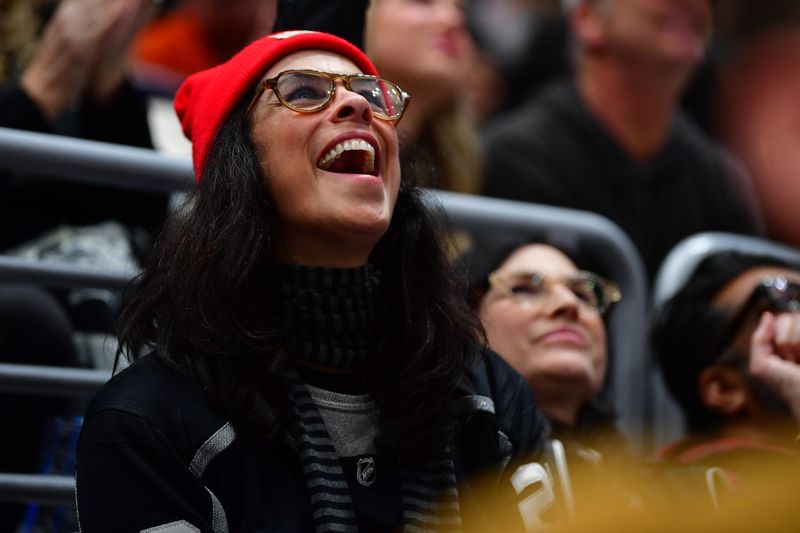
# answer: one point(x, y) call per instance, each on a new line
point(613, 141)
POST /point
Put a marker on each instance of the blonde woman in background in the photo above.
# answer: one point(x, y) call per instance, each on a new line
point(426, 48)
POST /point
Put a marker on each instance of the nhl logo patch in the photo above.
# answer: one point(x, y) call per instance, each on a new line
point(365, 471)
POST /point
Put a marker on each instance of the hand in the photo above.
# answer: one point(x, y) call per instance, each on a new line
point(82, 50)
point(59, 70)
point(109, 68)
point(775, 356)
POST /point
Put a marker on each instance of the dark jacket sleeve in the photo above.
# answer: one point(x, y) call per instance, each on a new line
point(513, 412)
point(516, 413)
point(19, 111)
point(493, 448)
point(130, 477)
point(121, 120)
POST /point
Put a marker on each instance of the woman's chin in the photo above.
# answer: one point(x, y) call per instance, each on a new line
point(367, 226)
point(569, 366)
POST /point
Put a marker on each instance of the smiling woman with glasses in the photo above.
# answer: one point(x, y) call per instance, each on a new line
point(546, 318)
point(300, 357)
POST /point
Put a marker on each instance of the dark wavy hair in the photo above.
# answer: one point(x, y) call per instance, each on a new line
point(201, 306)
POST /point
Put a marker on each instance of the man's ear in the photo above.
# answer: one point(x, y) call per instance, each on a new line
point(587, 24)
point(723, 390)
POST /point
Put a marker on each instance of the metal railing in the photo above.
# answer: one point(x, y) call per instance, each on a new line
point(58, 275)
point(50, 380)
point(40, 488)
point(90, 161)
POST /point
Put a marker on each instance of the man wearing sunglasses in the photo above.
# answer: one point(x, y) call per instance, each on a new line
point(728, 344)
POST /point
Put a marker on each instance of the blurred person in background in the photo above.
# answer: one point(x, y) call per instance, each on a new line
point(613, 141)
point(522, 46)
point(72, 79)
point(34, 329)
point(62, 70)
point(722, 342)
point(67, 74)
point(426, 47)
point(72, 54)
point(194, 35)
point(547, 319)
point(756, 109)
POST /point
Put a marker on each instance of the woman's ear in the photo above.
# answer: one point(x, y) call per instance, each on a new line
point(723, 390)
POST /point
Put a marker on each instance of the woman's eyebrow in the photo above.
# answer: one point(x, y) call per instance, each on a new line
point(521, 273)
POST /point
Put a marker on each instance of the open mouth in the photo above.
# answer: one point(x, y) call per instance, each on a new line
point(353, 156)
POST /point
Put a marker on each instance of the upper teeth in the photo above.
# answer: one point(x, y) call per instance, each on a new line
point(351, 144)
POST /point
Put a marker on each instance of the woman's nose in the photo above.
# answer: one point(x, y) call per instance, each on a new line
point(561, 301)
point(348, 105)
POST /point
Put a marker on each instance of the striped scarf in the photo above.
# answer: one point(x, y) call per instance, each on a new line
point(332, 314)
point(430, 496)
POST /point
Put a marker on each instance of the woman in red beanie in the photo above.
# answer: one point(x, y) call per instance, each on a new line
point(311, 365)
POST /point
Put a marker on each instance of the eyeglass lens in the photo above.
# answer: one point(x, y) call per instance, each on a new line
point(304, 91)
point(775, 294)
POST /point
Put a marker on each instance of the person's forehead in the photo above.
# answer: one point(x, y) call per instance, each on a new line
point(735, 292)
point(321, 60)
point(540, 258)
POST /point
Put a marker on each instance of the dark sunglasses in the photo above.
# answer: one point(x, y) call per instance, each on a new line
point(308, 91)
point(773, 293)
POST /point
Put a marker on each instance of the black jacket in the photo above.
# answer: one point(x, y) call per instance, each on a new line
point(153, 451)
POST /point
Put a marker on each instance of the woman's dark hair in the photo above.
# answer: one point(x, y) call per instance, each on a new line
point(687, 327)
point(201, 305)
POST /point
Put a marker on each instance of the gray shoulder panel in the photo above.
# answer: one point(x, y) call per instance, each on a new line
point(216, 444)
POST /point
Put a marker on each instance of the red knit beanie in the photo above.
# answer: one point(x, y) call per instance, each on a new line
point(205, 99)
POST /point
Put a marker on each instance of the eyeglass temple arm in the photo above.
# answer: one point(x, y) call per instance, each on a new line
point(263, 86)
